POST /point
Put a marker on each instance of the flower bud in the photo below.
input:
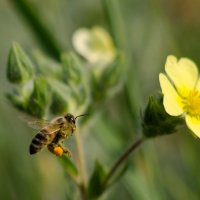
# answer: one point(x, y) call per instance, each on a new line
point(95, 45)
point(58, 103)
point(71, 69)
point(19, 67)
point(156, 121)
point(61, 97)
point(39, 99)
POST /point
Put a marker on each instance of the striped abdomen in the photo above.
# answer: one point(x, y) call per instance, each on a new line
point(40, 140)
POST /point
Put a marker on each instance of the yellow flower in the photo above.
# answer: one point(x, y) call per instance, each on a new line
point(181, 89)
point(95, 45)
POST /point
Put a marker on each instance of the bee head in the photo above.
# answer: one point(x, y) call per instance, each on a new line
point(70, 118)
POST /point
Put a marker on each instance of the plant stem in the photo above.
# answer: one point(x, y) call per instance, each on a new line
point(81, 164)
point(121, 160)
point(42, 32)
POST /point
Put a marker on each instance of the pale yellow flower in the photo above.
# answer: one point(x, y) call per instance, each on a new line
point(95, 45)
point(181, 89)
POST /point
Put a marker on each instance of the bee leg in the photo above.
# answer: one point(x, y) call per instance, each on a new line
point(66, 151)
point(51, 147)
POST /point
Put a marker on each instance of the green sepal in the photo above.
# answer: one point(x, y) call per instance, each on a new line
point(68, 166)
point(38, 101)
point(156, 121)
point(19, 67)
point(16, 100)
point(96, 186)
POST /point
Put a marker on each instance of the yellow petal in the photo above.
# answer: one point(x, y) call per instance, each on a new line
point(95, 45)
point(197, 87)
point(183, 74)
point(172, 101)
point(82, 43)
point(193, 124)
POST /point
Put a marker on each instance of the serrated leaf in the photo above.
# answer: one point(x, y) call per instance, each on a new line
point(96, 187)
point(69, 166)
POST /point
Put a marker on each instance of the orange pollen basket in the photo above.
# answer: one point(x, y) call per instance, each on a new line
point(58, 151)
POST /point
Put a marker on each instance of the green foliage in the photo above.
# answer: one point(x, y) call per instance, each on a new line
point(156, 121)
point(56, 88)
point(68, 166)
point(96, 186)
point(71, 86)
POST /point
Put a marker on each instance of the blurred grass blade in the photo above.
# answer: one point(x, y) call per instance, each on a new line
point(44, 35)
point(114, 18)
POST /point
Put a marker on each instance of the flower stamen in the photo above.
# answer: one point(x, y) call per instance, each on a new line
point(192, 104)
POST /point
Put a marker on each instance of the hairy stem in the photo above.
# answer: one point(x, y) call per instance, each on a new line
point(81, 164)
point(121, 160)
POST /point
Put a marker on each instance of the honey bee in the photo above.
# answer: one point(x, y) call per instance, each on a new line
point(53, 134)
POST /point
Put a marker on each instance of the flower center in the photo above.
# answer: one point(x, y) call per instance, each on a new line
point(192, 104)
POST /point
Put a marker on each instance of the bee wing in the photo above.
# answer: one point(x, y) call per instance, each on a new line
point(34, 122)
point(38, 124)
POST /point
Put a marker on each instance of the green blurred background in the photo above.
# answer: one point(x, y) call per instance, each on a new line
point(163, 168)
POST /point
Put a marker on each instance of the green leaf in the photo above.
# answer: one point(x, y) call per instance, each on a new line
point(19, 67)
point(69, 166)
point(156, 121)
point(96, 187)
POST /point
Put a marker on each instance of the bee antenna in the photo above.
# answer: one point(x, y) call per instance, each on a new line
point(81, 115)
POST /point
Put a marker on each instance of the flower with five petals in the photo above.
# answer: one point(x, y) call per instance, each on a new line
point(181, 89)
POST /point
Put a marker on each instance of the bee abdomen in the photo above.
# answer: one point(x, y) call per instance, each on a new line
point(39, 141)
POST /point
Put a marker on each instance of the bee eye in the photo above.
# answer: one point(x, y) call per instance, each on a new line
point(72, 120)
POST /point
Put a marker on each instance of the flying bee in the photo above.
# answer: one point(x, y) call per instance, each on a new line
point(53, 134)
